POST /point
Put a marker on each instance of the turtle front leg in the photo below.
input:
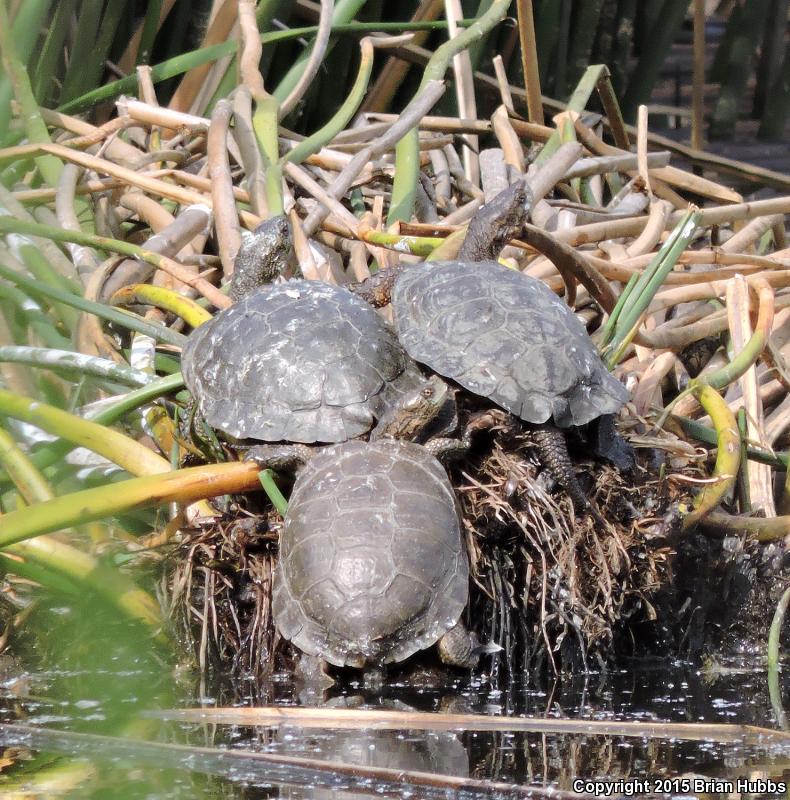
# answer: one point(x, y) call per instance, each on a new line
point(280, 457)
point(553, 452)
point(446, 448)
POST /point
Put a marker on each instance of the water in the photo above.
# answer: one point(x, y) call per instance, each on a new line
point(101, 680)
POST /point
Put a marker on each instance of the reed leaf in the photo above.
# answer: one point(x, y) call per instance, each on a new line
point(181, 486)
point(178, 65)
point(16, 74)
point(407, 150)
point(70, 362)
point(121, 450)
point(644, 75)
point(24, 30)
point(124, 318)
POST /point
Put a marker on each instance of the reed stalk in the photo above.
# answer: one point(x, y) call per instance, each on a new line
point(179, 486)
point(407, 159)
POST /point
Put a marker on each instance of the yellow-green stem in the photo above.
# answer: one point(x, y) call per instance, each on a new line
point(119, 449)
point(28, 480)
point(58, 564)
point(181, 486)
point(727, 458)
point(164, 298)
point(414, 245)
point(265, 120)
point(266, 478)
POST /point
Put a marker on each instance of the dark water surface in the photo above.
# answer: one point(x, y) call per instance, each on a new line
point(101, 684)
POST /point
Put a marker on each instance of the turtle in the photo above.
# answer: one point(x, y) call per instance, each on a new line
point(301, 361)
point(505, 336)
point(372, 564)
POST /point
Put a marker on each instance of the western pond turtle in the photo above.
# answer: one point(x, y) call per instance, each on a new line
point(300, 361)
point(372, 564)
point(502, 334)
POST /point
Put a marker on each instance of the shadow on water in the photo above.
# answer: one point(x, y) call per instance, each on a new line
point(100, 678)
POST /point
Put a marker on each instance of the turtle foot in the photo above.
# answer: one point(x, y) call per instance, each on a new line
point(460, 648)
point(282, 457)
point(553, 452)
point(312, 674)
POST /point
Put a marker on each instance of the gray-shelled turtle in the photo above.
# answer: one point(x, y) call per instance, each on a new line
point(301, 361)
point(502, 334)
point(372, 561)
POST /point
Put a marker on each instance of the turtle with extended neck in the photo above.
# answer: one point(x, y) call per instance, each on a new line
point(505, 336)
point(300, 361)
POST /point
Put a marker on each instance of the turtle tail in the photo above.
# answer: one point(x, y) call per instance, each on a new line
point(553, 452)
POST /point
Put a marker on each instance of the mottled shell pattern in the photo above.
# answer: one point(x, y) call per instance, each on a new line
point(372, 563)
point(301, 361)
point(505, 336)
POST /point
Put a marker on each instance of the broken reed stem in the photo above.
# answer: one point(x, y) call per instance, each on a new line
point(759, 486)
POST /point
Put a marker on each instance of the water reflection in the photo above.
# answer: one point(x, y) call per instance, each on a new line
point(100, 683)
point(436, 752)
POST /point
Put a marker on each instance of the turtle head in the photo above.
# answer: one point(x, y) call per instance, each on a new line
point(421, 407)
point(428, 400)
point(262, 257)
point(416, 410)
point(496, 222)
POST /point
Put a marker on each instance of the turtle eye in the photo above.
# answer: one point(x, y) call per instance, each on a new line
point(427, 392)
